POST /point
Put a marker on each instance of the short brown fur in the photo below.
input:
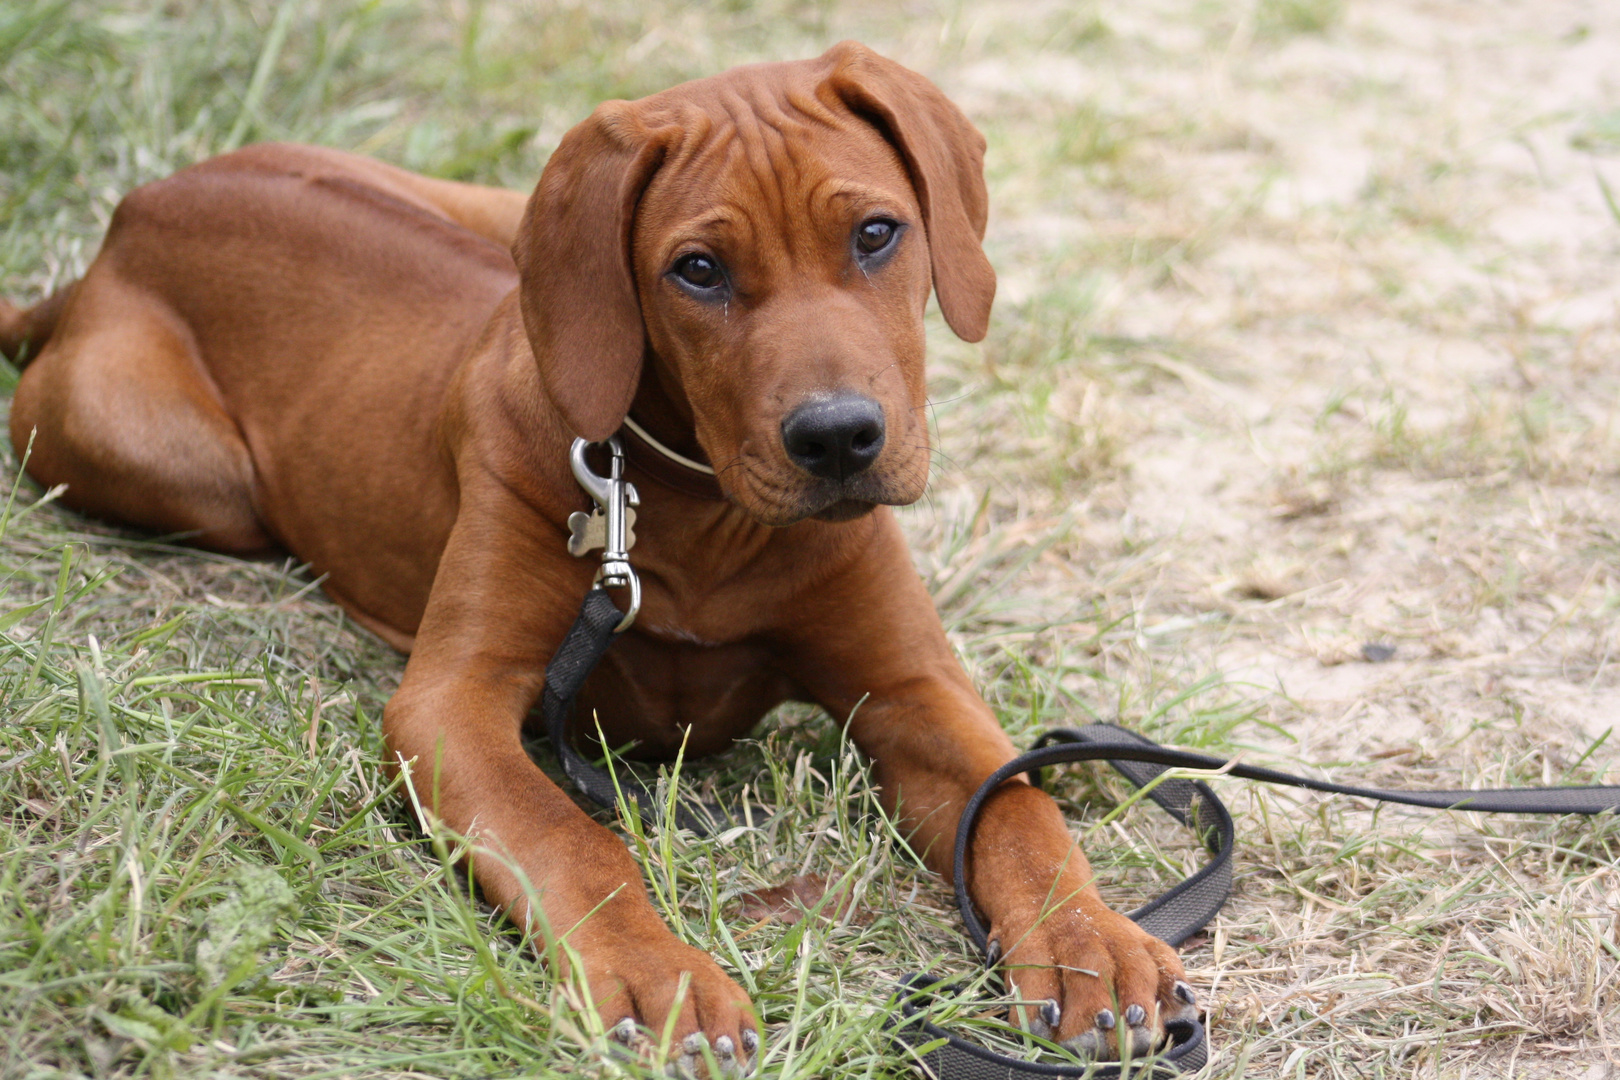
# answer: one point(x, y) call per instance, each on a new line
point(293, 347)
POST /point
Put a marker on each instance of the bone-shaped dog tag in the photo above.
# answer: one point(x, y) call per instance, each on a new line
point(587, 532)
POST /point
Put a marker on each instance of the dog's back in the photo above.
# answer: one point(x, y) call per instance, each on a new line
point(250, 323)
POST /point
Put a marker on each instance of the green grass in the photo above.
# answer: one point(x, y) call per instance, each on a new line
point(206, 869)
point(1206, 452)
point(1281, 17)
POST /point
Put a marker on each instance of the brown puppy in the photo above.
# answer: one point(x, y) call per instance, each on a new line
point(289, 346)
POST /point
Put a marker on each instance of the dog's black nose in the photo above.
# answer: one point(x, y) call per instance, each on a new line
point(836, 437)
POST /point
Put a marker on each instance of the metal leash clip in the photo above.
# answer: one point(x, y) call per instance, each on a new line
point(610, 526)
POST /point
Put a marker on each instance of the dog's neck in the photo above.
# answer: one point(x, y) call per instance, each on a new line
point(660, 439)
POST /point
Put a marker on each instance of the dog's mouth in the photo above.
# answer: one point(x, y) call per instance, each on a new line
point(779, 502)
point(845, 510)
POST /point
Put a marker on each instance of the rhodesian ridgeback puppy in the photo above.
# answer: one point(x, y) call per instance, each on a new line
point(290, 347)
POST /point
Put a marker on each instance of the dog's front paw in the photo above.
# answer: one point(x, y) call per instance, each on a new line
point(1089, 978)
point(668, 1000)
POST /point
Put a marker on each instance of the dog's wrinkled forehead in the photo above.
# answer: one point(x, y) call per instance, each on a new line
point(770, 94)
point(744, 142)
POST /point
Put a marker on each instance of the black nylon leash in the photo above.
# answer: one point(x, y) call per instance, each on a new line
point(581, 649)
point(937, 1052)
point(1184, 910)
point(1173, 916)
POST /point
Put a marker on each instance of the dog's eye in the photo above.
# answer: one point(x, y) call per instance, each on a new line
point(874, 236)
point(700, 272)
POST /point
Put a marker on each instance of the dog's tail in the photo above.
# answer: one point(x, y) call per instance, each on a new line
point(23, 332)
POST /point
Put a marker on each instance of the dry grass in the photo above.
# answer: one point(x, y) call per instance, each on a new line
point(1307, 340)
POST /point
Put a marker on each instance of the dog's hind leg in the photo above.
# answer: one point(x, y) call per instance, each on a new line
point(120, 409)
point(24, 331)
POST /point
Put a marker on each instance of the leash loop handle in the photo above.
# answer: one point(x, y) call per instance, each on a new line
point(1173, 916)
point(1177, 914)
point(1183, 910)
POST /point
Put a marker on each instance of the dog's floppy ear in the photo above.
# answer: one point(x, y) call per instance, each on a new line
point(577, 285)
point(944, 153)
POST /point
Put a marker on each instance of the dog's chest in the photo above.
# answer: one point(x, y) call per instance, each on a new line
point(652, 691)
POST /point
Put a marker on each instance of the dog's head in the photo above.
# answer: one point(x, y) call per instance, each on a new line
point(763, 243)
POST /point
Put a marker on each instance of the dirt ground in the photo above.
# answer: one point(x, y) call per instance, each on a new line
point(1297, 435)
point(1364, 389)
point(1339, 386)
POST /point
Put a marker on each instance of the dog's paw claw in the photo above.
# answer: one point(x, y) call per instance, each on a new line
point(1117, 990)
point(709, 1006)
point(1135, 1039)
point(754, 1049)
point(1181, 1013)
point(1043, 1018)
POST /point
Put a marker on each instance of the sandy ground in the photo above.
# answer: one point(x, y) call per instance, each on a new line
point(1328, 322)
point(1365, 390)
